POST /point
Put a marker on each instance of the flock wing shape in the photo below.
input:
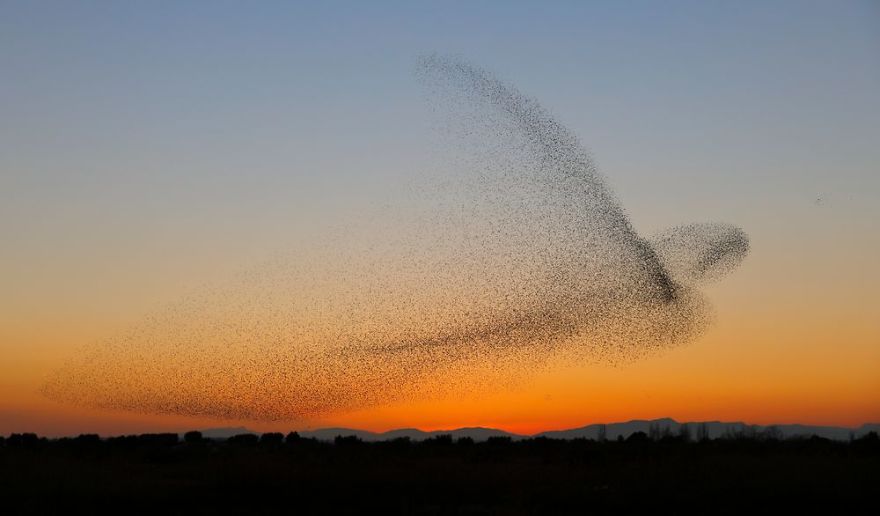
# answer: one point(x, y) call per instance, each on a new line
point(519, 254)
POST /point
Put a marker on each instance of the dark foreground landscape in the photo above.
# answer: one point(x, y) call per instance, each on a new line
point(273, 473)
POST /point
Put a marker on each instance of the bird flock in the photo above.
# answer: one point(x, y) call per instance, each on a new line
point(515, 255)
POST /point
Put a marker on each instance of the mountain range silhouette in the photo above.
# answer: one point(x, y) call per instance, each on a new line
point(714, 429)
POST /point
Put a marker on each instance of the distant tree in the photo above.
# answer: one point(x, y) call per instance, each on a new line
point(684, 433)
point(164, 439)
point(292, 438)
point(870, 437)
point(654, 432)
point(88, 439)
point(272, 439)
point(867, 444)
point(638, 437)
point(123, 441)
point(25, 440)
point(703, 432)
point(399, 442)
point(603, 433)
point(243, 440)
point(193, 437)
point(465, 441)
point(772, 433)
point(499, 440)
point(347, 440)
point(439, 440)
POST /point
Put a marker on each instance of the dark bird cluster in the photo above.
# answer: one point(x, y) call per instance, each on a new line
point(515, 255)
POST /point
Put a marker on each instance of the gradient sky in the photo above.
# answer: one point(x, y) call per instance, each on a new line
point(149, 148)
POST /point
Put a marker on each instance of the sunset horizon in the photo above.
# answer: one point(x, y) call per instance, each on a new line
point(287, 216)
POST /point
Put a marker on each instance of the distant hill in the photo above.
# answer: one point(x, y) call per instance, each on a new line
point(225, 432)
point(714, 429)
point(476, 433)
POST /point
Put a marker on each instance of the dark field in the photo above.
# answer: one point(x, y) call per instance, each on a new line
point(277, 474)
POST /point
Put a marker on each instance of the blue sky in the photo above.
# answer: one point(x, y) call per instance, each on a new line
point(125, 124)
point(755, 95)
point(172, 111)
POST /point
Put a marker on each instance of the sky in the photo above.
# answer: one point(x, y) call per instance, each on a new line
point(149, 148)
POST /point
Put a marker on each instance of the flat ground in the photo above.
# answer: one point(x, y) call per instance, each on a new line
point(150, 474)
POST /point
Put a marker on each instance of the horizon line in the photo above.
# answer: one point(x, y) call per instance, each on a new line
point(244, 428)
